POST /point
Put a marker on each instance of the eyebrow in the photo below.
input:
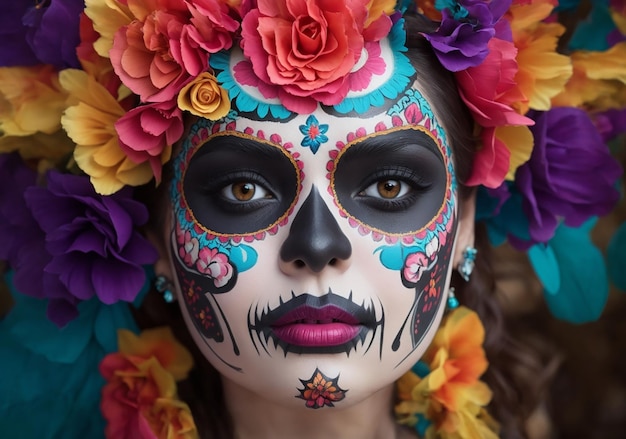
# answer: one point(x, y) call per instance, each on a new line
point(393, 141)
point(236, 142)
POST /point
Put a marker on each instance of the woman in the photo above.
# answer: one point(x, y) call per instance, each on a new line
point(308, 221)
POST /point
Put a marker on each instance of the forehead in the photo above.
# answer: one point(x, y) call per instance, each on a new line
point(325, 129)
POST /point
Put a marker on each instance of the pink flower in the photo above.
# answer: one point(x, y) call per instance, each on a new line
point(147, 133)
point(306, 48)
point(211, 26)
point(168, 43)
point(188, 247)
point(147, 53)
point(414, 266)
point(491, 93)
point(216, 265)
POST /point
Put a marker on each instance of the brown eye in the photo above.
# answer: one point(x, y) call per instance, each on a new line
point(245, 191)
point(388, 188)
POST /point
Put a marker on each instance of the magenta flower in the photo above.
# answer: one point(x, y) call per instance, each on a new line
point(216, 265)
point(91, 241)
point(147, 133)
point(571, 174)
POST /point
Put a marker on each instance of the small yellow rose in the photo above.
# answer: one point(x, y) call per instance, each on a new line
point(204, 97)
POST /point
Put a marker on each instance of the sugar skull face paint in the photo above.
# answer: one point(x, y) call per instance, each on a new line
point(315, 251)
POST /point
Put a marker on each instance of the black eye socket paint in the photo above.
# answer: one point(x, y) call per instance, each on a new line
point(407, 156)
point(232, 158)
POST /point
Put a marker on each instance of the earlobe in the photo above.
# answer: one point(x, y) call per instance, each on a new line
point(465, 233)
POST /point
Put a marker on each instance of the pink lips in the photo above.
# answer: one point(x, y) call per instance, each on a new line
point(316, 327)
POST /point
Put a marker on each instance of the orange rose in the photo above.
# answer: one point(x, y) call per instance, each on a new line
point(204, 97)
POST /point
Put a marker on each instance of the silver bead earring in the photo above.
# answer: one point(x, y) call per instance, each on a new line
point(164, 286)
point(467, 264)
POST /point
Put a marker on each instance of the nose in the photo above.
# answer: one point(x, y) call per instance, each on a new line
point(315, 239)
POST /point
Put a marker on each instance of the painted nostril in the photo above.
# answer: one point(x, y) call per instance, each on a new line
point(315, 239)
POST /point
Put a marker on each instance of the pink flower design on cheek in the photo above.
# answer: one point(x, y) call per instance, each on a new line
point(414, 266)
point(216, 265)
point(188, 247)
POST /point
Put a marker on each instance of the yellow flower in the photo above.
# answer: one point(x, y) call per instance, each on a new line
point(598, 80)
point(50, 147)
point(519, 140)
point(161, 344)
point(377, 7)
point(90, 123)
point(108, 16)
point(542, 72)
point(31, 100)
point(173, 420)
point(204, 97)
point(451, 396)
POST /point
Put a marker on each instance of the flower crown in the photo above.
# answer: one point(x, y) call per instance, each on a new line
point(89, 112)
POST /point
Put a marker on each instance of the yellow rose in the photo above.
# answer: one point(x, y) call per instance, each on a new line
point(205, 98)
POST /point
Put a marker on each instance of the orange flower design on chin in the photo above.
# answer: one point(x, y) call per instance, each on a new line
point(321, 390)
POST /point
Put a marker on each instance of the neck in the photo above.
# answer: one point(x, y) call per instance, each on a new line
point(257, 418)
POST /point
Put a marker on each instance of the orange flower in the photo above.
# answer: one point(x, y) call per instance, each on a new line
point(204, 97)
point(321, 390)
point(451, 396)
point(139, 400)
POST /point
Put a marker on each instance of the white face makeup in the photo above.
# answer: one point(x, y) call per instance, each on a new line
point(315, 250)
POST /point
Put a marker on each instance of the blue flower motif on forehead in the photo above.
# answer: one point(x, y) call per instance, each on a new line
point(314, 133)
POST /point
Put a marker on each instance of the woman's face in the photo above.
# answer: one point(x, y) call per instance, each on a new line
point(312, 255)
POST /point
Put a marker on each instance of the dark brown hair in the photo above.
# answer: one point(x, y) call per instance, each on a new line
point(512, 366)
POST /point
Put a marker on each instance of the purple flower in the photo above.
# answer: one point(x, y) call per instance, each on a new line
point(466, 28)
point(24, 241)
point(91, 241)
point(14, 50)
point(611, 123)
point(46, 33)
point(16, 221)
point(571, 174)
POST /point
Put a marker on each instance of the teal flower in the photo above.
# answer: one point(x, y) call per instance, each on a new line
point(314, 133)
point(54, 372)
